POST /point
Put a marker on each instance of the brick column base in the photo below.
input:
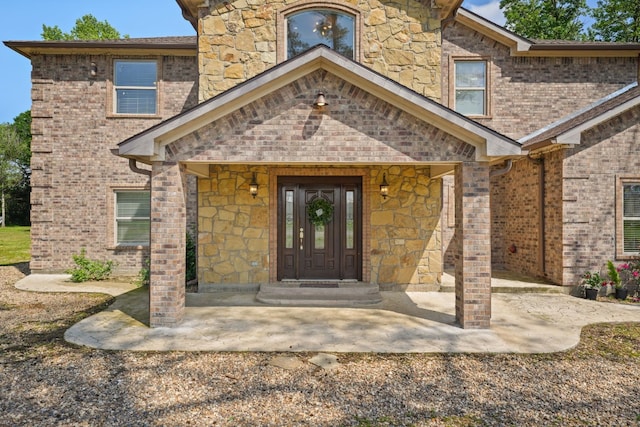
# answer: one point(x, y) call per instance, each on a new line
point(473, 245)
point(168, 243)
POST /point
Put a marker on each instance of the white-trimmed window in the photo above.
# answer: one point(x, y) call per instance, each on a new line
point(135, 84)
point(470, 87)
point(312, 27)
point(133, 212)
point(631, 218)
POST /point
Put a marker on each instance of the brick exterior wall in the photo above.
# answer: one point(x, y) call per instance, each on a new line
point(591, 171)
point(284, 128)
point(74, 171)
point(515, 210)
point(168, 243)
point(553, 217)
point(240, 39)
point(580, 215)
point(473, 245)
point(528, 93)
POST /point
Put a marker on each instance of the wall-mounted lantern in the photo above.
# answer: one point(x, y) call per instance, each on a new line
point(321, 101)
point(253, 186)
point(93, 70)
point(384, 186)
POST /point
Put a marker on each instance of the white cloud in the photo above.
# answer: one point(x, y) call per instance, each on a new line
point(490, 10)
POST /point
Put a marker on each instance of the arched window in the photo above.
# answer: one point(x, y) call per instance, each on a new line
point(312, 27)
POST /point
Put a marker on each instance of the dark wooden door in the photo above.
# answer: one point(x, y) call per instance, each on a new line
point(330, 250)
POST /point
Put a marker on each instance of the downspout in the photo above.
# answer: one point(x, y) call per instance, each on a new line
point(133, 165)
point(503, 171)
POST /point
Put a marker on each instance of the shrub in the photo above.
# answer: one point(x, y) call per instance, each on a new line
point(87, 269)
point(613, 274)
point(190, 262)
point(144, 275)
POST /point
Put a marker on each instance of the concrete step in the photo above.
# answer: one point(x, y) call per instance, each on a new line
point(319, 293)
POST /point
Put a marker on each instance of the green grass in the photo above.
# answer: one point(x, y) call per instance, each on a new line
point(15, 245)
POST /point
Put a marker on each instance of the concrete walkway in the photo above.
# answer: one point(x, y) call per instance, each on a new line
point(402, 323)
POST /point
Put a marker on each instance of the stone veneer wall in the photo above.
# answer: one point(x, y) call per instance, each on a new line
point(233, 227)
point(404, 229)
point(73, 169)
point(406, 246)
point(240, 39)
point(528, 93)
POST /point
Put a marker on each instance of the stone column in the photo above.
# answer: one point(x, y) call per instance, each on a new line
point(168, 242)
point(473, 245)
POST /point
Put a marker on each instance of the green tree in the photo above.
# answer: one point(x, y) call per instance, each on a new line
point(616, 21)
point(87, 28)
point(14, 169)
point(546, 19)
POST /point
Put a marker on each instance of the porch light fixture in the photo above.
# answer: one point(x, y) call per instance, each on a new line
point(253, 186)
point(321, 101)
point(384, 186)
point(93, 69)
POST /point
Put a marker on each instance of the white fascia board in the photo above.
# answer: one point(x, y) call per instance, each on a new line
point(493, 30)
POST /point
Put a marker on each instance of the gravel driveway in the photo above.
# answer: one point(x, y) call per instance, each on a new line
point(45, 382)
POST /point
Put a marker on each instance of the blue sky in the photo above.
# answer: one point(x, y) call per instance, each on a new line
point(22, 20)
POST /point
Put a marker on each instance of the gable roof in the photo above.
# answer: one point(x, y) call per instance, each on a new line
point(178, 46)
point(146, 146)
point(521, 46)
point(568, 129)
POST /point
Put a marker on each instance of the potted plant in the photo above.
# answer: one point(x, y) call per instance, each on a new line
point(629, 276)
point(592, 282)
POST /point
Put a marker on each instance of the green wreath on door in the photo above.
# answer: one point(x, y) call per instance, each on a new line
point(320, 211)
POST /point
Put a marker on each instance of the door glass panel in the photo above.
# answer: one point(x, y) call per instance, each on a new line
point(288, 215)
point(319, 237)
point(349, 220)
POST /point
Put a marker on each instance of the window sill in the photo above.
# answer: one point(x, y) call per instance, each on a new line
point(627, 256)
point(132, 248)
point(134, 116)
point(477, 116)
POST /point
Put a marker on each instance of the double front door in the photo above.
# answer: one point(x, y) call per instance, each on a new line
point(319, 228)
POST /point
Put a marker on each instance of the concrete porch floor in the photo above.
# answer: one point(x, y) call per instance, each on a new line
point(402, 323)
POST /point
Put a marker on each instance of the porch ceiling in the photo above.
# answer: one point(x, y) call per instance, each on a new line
point(149, 145)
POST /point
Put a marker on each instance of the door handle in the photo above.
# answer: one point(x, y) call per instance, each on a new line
point(301, 238)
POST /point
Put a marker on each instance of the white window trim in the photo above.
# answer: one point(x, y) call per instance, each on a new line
point(487, 85)
point(112, 226)
point(112, 102)
point(621, 181)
